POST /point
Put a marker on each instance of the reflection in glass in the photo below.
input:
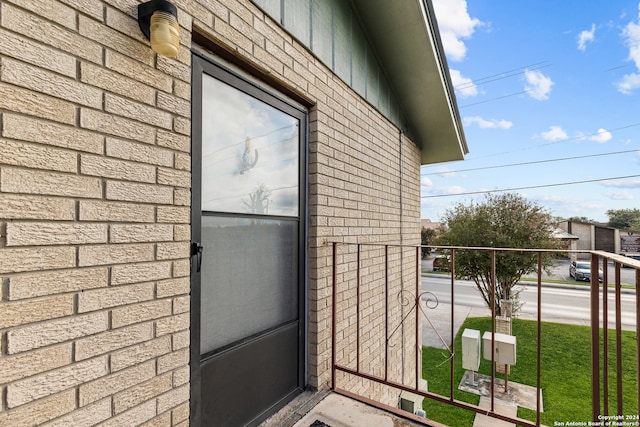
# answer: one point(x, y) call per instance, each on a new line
point(249, 278)
point(249, 153)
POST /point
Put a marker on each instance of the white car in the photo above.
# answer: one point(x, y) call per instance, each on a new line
point(581, 270)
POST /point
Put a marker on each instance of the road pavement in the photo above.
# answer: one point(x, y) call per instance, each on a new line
point(559, 304)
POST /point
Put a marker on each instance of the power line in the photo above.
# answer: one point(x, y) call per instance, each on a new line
point(532, 163)
point(495, 99)
point(503, 75)
point(554, 142)
point(530, 187)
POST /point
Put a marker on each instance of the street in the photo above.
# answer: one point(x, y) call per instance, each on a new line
point(560, 305)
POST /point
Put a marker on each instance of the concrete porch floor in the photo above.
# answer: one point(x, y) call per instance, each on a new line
point(328, 409)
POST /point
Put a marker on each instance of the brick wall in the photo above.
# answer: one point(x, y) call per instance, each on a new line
point(94, 219)
point(95, 203)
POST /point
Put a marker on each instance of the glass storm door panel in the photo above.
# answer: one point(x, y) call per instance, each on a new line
point(248, 206)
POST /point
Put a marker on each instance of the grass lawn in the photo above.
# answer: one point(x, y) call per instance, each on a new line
point(565, 367)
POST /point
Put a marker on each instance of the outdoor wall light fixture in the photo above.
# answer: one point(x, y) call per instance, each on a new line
point(158, 20)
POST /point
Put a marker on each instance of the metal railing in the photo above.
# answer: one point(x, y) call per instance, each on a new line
point(363, 272)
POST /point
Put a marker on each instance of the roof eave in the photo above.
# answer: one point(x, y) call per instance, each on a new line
point(405, 36)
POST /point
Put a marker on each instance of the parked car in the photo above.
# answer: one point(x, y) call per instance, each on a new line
point(635, 256)
point(441, 263)
point(581, 270)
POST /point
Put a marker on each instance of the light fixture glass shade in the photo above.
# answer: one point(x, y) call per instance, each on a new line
point(165, 34)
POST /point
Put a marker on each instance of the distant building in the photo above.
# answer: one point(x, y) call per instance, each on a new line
point(431, 225)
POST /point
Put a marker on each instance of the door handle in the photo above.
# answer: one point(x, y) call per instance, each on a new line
point(196, 249)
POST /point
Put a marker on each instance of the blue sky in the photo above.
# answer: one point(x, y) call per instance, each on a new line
point(537, 82)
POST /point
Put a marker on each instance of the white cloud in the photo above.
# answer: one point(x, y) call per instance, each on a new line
point(555, 133)
point(425, 182)
point(621, 195)
point(586, 37)
point(601, 136)
point(446, 172)
point(456, 189)
point(538, 85)
point(487, 124)
point(464, 86)
point(628, 83)
point(631, 36)
point(455, 24)
point(627, 183)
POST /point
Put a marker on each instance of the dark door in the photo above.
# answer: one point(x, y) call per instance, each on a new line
point(248, 211)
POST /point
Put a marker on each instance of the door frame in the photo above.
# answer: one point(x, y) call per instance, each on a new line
point(202, 62)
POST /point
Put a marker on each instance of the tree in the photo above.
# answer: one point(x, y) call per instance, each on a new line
point(501, 221)
point(426, 238)
point(624, 218)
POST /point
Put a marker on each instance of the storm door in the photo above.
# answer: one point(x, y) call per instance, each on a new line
point(248, 228)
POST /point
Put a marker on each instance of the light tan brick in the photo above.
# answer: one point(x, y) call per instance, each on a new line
point(39, 80)
point(55, 331)
point(180, 413)
point(182, 126)
point(45, 132)
point(85, 417)
point(134, 192)
point(116, 125)
point(88, 7)
point(116, 83)
point(181, 376)
point(171, 287)
point(137, 111)
point(55, 184)
point(125, 233)
point(44, 31)
point(173, 250)
point(180, 340)
point(171, 324)
point(173, 360)
point(22, 100)
point(181, 232)
point(54, 233)
point(15, 260)
point(113, 383)
point(139, 152)
point(54, 11)
point(106, 36)
point(182, 197)
point(183, 161)
point(29, 389)
point(23, 312)
point(174, 177)
point(141, 393)
point(112, 340)
point(34, 362)
point(173, 398)
point(182, 90)
point(143, 312)
point(111, 168)
point(40, 411)
point(37, 54)
point(174, 214)
point(133, 417)
point(181, 304)
point(177, 68)
point(174, 104)
point(13, 206)
point(181, 268)
point(133, 273)
point(115, 212)
point(136, 70)
point(162, 420)
point(55, 282)
point(140, 353)
point(98, 299)
point(38, 157)
point(114, 254)
point(174, 141)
